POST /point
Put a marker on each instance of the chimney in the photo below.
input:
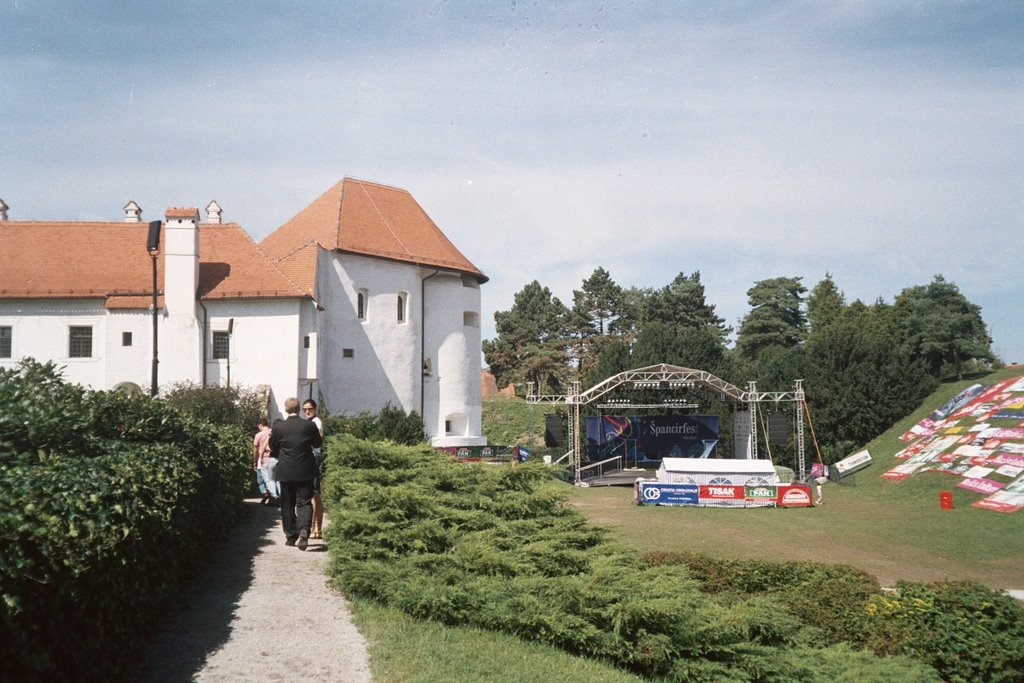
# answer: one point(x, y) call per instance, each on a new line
point(3, 210)
point(181, 260)
point(213, 212)
point(132, 212)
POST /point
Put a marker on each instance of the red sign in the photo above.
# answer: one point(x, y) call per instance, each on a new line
point(721, 492)
point(793, 495)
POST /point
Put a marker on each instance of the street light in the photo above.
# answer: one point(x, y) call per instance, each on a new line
point(152, 246)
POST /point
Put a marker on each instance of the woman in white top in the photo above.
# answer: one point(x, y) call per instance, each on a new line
point(316, 531)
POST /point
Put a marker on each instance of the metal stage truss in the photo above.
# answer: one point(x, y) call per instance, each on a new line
point(665, 377)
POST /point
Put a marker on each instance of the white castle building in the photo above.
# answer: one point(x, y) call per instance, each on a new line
point(358, 301)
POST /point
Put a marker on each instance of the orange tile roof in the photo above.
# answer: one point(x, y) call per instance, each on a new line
point(366, 218)
point(62, 260)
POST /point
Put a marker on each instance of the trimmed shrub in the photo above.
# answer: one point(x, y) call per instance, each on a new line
point(108, 501)
point(966, 631)
point(390, 424)
point(498, 547)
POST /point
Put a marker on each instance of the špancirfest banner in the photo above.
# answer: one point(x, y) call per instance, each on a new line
point(977, 437)
point(651, 438)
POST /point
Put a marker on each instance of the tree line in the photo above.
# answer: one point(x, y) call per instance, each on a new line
point(864, 365)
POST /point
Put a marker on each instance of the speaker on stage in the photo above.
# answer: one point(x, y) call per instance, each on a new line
point(554, 430)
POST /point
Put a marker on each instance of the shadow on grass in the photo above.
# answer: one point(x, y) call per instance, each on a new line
point(200, 622)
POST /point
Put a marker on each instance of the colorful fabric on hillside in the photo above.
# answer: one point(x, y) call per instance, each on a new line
point(977, 437)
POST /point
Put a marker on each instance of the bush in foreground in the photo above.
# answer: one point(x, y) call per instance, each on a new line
point(107, 501)
point(498, 548)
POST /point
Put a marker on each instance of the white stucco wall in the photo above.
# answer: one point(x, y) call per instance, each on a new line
point(367, 363)
point(40, 330)
point(452, 396)
point(265, 346)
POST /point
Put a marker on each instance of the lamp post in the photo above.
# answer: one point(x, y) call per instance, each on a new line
point(153, 246)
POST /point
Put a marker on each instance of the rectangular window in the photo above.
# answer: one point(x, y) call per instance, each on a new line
point(221, 345)
point(126, 339)
point(471, 319)
point(80, 342)
point(347, 353)
point(6, 338)
point(305, 342)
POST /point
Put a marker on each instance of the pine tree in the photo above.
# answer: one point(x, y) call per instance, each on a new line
point(531, 340)
point(943, 327)
point(776, 316)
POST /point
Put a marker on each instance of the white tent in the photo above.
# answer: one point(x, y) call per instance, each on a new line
point(726, 471)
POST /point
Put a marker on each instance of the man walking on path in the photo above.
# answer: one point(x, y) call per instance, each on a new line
point(292, 441)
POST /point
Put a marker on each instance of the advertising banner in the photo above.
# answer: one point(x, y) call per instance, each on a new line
point(793, 495)
point(958, 401)
point(783, 495)
point(759, 493)
point(657, 493)
point(857, 461)
point(651, 438)
point(980, 485)
point(722, 492)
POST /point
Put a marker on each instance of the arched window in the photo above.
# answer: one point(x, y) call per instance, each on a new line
point(403, 300)
point(720, 481)
point(361, 304)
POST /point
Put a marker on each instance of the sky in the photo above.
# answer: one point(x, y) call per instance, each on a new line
point(879, 142)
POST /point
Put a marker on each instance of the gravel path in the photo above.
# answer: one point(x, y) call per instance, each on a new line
point(259, 611)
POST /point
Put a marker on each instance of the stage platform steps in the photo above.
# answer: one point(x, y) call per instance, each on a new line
point(623, 477)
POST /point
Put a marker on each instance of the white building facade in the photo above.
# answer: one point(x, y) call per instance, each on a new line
point(347, 321)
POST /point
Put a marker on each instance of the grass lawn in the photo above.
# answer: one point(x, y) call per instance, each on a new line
point(890, 541)
point(406, 650)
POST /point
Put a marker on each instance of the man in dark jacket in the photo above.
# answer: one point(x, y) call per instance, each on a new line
point(292, 441)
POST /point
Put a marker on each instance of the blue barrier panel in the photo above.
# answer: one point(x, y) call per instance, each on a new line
point(656, 493)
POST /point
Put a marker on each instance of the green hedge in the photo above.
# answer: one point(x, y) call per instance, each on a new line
point(498, 547)
point(108, 501)
point(964, 630)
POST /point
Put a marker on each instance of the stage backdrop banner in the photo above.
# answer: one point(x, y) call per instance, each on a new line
point(651, 438)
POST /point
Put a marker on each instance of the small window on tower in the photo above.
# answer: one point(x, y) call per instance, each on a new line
point(126, 339)
point(361, 302)
point(403, 298)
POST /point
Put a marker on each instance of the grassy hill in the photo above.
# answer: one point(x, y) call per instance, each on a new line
point(894, 530)
point(510, 420)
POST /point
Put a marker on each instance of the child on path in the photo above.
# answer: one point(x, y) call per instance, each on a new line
point(261, 463)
